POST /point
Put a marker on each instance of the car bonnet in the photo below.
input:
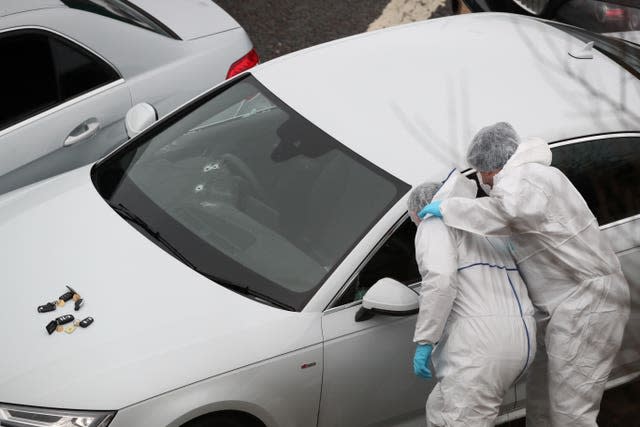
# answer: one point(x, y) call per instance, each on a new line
point(158, 325)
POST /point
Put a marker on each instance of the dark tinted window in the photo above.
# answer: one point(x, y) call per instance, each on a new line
point(27, 77)
point(607, 174)
point(122, 11)
point(395, 259)
point(40, 70)
point(77, 71)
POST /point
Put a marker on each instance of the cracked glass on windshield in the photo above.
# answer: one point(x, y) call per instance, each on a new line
point(250, 192)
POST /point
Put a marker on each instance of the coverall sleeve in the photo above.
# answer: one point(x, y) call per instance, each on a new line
point(436, 256)
point(514, 202)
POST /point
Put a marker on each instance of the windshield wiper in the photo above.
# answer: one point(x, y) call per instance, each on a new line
point(125, 213)
point(246, 290)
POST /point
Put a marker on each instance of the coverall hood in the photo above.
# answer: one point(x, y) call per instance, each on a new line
point(456, 185)
point(530, 150)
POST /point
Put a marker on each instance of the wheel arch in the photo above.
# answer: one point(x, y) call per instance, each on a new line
point(241, 417)
point(239, 409)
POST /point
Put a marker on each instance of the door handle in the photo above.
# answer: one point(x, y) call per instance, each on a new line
point(82, 132)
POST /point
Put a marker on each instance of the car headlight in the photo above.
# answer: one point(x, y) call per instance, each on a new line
point(25, 416)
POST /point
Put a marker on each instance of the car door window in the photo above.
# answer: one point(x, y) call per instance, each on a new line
point(28, 77)
point(606, 172)
point(41, 70)
point(395, 259)
point(78, 72)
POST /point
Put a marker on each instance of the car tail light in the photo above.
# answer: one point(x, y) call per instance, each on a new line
point(614, 12)
point(249, 60)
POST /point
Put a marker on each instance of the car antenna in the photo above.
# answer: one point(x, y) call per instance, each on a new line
point(584, 52)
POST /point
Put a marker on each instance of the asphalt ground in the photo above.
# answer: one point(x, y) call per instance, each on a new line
point(277, 27)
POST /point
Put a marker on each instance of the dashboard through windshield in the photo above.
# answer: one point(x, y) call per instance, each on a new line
point(241, 188)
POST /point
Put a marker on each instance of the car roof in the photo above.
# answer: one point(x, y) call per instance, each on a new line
point(410, 98)
point(9, 7)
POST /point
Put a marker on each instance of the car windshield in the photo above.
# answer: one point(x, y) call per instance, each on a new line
point(248, 192)
point(625, 53)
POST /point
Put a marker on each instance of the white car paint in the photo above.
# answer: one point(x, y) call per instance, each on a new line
point(142, 326)
point(447, 78)
point(168, 345)
point(189, 19)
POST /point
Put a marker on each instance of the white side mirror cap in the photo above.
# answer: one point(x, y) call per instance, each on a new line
point(388, 296)
point(139, 117)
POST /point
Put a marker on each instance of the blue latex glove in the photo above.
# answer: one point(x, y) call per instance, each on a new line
point(432, 208)
point(421, 360)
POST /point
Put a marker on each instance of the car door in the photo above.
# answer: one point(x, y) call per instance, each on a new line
point(63, 106)
point(606, 171)
point(368, 375)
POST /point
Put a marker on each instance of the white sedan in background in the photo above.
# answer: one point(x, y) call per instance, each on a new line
point(225, 251)
point(71, 69)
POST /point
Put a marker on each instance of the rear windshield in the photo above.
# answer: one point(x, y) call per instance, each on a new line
point(249, 193)
point(625, 53)
point(122, 11)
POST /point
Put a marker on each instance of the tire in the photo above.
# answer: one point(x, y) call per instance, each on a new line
point(225, 419)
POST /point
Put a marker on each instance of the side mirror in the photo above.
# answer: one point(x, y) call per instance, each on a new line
point(139, 117)
point(388, 296)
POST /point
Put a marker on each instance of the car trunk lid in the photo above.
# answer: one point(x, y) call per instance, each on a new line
point(189, 19)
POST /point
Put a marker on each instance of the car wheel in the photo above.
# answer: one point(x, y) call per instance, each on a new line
point(225, 419)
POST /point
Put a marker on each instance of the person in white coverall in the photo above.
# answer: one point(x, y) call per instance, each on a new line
point(572, 274)
point(475, 311)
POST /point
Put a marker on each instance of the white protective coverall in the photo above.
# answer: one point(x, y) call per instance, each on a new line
point(474, 306)
point(572, 274)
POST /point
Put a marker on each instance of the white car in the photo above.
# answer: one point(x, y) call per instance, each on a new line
point(225, 251)
point(71, 69)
